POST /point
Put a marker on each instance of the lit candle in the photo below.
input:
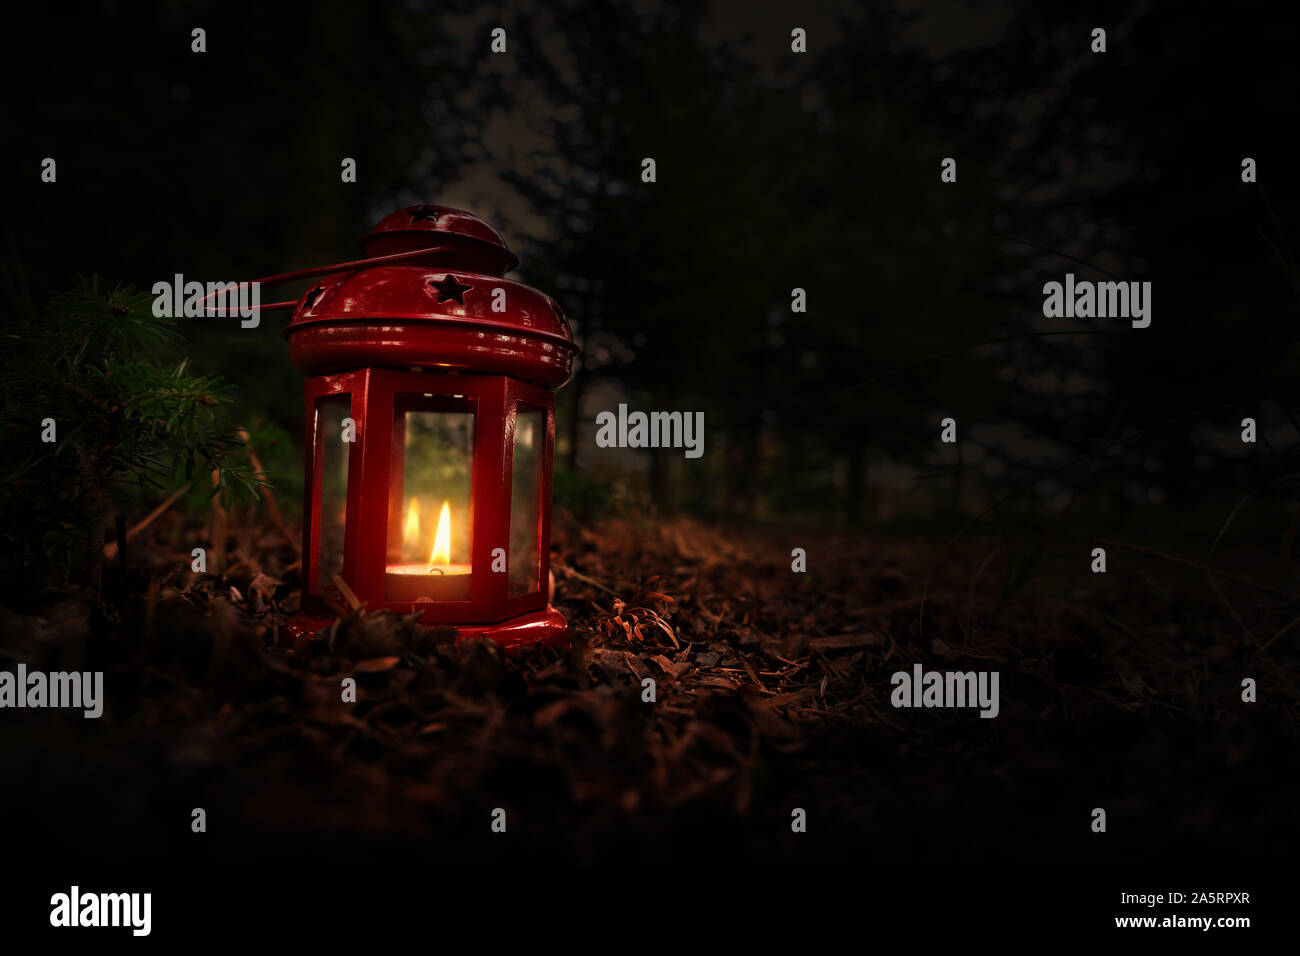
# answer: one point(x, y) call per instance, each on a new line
point(439, 563)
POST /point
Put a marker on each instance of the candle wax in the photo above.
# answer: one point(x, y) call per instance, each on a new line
point(439, 570)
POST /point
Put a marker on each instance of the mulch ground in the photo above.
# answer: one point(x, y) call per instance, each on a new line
point(1120, 691)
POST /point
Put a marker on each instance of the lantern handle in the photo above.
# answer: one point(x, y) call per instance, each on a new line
point(328, 270)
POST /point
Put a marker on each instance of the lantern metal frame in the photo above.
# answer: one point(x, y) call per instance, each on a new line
point(372, 483)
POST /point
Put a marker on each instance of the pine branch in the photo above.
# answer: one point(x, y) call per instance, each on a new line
point(125, 412)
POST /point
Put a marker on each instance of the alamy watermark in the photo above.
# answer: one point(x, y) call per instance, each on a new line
point(922, 688)
point(1102, 300)
point(651, 430)
point(193, 300)
point(75, 908)
point(35, 689)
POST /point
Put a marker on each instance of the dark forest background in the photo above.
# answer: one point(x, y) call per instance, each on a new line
point(775, 171)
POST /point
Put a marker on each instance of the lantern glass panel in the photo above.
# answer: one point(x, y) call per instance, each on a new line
point(430, 511)
point(331, 453)
point(524, 564)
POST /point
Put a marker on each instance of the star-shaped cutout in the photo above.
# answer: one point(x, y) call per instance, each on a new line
point(312, 296)
point(425, 214)
point(450, 288)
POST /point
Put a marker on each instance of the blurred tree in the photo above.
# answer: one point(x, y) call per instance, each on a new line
point(673, 283)
point(96, 403)
point(1113, 172)
point(906, 267)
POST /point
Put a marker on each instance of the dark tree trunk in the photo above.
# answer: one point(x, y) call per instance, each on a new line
point(120, 520)
point(574, 389)
point(959, 477)
point(857, 484)
point(752, 464)
point(96, 523)
point(661, 485)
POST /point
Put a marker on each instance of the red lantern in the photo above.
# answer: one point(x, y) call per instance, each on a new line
point(430, 431)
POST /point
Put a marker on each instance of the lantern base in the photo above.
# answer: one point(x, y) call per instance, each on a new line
point(547, 627)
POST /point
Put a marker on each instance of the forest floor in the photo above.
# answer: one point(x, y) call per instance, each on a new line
point(1119, 691)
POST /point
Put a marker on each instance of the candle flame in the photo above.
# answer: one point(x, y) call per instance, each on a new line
point(411, 531)
point(442, 541)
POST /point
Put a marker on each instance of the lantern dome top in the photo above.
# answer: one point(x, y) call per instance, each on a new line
point(447, 309)
point(474, 245)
